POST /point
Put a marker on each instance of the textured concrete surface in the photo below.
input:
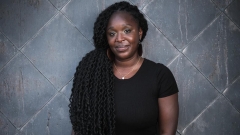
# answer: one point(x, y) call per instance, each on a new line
point(42, 41)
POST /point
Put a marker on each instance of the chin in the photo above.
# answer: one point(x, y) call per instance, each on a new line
point(125, 56)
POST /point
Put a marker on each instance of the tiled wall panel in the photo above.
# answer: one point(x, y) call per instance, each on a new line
point(220, 118)
point(42, 41)
point(218, 52)
point(52, 119)
point(24, 90)
point(21, 19)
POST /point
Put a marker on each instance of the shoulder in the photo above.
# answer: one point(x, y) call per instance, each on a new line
point(158, 70)
point(158, 67)
point(161, 71)
point(166, 84)
point(162, 76)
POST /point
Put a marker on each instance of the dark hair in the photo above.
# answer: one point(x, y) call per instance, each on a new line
point(99, 37)
point(92, 108)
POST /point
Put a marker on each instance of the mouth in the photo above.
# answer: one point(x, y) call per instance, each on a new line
point(121, 48)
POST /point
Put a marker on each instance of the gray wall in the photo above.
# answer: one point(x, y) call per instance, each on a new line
point(42, 41)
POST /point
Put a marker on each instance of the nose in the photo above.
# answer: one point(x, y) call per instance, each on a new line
point(119, 37)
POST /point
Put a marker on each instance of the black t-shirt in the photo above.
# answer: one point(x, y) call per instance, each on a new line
point(136, 98)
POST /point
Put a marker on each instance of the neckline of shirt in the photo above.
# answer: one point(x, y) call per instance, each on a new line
point(134, 74)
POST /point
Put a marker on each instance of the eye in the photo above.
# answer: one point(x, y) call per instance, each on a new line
point(127, 31)
point(111, 34)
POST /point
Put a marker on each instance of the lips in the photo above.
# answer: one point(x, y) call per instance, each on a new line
point(121, 48)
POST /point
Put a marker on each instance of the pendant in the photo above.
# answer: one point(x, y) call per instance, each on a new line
point(122, 78)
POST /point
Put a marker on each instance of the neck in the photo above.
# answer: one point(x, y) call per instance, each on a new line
point(127, 63)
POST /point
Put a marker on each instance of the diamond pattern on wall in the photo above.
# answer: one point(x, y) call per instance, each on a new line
point(59, 3)
point(7, 50)
point(67, 90)
point(57, 49)
point(23, 90)
point(218, 52)
point(222, 4)
point(21, 19)
point(233, 93)
point(6, 128)
point(82, 16)
point(141, 3)
point(233, 11)
point(219, 118)
point(53, 119)
point(157, 48)
point(42, 41)
point(183, 21)
point(195, 92)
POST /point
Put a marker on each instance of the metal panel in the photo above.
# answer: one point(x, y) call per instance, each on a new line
point(6, 128)
point(222, 4)
point(7, 50)
point(57, 49)
point(67, 90)
point(233, 94)
point(23, 90)
point(219, 119)
point(181, 21)
point(42, 41)
point(195, 92)
point(233, 12)
point(59, 3)
point(216, 51)
point(52, 119)
point(157, 48)
point(21, 19)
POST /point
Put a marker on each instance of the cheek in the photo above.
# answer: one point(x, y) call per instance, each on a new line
point(134, 40)
point(109, 40)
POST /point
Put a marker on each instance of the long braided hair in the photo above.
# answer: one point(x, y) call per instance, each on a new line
point(92, 108)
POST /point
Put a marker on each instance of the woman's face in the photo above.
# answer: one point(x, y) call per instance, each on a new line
point(123, 34)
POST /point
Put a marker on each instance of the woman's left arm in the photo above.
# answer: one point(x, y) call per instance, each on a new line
point(168, 114)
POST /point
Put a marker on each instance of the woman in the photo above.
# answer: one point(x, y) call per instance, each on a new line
point(115, 90)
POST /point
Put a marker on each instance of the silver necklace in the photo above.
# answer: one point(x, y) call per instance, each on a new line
point(123, 76)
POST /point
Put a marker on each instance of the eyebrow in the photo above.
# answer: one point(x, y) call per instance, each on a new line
point(122, 25)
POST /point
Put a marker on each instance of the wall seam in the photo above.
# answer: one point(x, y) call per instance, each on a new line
point(181, 52)
point(76, 28)
point(8, 120)
point(214, 100)
point(223, 11)
point(37, 112)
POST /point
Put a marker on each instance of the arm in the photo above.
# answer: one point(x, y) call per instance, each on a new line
point(168, 114)
point(72, 133)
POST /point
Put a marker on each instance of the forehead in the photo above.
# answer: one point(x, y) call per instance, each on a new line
point(122, 17)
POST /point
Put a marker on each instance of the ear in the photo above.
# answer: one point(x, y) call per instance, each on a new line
point(140, 33)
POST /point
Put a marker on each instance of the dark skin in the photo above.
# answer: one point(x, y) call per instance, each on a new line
point(123, 34)
point(123, 37)
point(168, 114)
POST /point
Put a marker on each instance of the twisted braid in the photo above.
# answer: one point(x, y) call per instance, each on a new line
point(91, 101)
point(92, 108)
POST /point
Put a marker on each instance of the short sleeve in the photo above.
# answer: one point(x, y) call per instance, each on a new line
point(166, 82)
